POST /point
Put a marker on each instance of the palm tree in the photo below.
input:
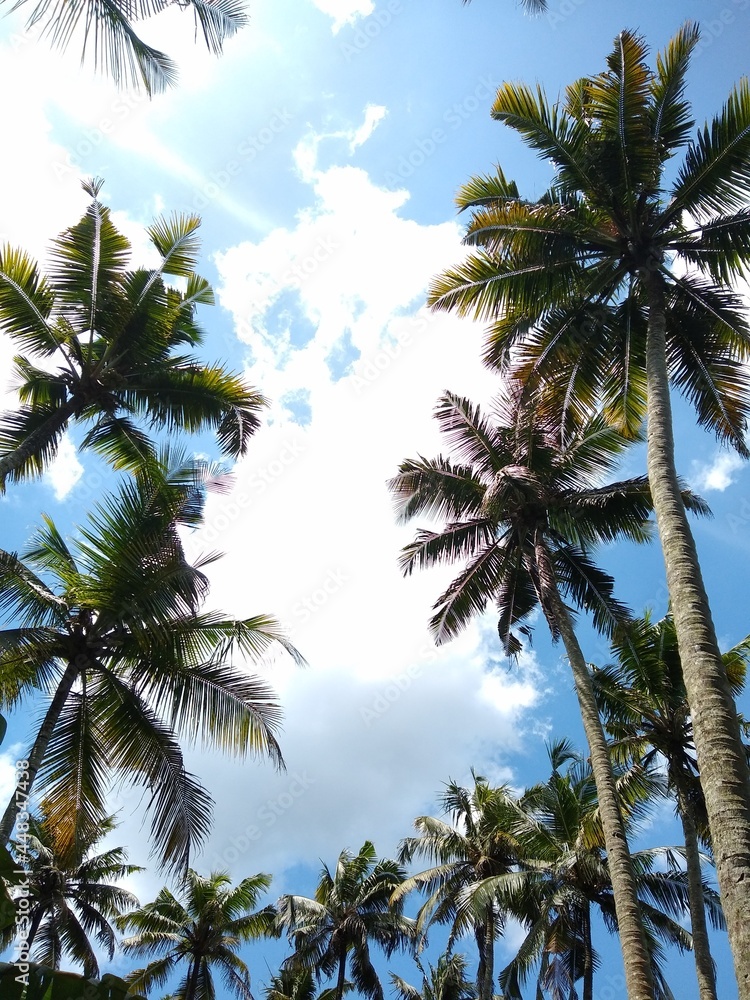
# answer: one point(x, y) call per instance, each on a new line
point(351, 908)
point(298, 984)
point(202, 929)
point(523, 513)
point(475, 845)
point(117, 49)
point(108, 627)
point(586, 289)
point(445, 981)
point(71, 896)
point(121, 340)
point(564, 876)
point(645, 710)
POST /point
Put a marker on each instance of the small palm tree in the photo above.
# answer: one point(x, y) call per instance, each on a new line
point(644, 704)
point(351, 909)
point(70, 897)
point(117, 50)
point(298, 984)
point(445, 981)
point(122, 342)
point(109, 628)
point(201, 932)
point(476, 844)
point(614, 284)
point(523, 513)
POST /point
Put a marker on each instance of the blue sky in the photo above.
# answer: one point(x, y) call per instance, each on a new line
point(323, 151)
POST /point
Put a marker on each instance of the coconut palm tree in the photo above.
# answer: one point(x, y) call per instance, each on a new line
point(613, 284)
point(71, 896)
point(644, 705)
point(199, 930)
point(121, 341)
point(476, 844)
point(109, 629)
point(350, 910)
point(110, 34)
point(563, 877)
point(298, 984)
point(444, 981)
point(523, 514)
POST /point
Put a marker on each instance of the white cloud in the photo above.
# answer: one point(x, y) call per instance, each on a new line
point(380, 718)
point(305, 154)
point(344, 11)
point(718, 474)
point(374, 114)
point(64, 470)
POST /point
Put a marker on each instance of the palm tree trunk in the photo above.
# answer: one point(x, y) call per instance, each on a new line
point(341, 979)
point(191, 987)
point(23, 788)
point(704, 965)
point(588, 957)
point(34, 927)
point(486, 968)
point(43, 435)
point(721, 758)
point(635, 955)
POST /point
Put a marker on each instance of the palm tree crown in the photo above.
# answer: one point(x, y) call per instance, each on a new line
point(202, 929)
point(72, 896)
point(510, 494)
point(122, 340)
point(445, 981)
point(351, 908)
point(117, 50)
point(566, 282)
point(564, 875)
point(645, 710)
point(476, 844)
point(110, 629)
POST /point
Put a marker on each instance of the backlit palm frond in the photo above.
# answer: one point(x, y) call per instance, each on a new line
point(716, 169)
point(437, 488)
point(670, 117)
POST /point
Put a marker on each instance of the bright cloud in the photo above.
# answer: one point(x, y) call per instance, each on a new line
point(718, 474)
point(65, 470)
point(374, 114)
point(344, 11)
point(332, 312)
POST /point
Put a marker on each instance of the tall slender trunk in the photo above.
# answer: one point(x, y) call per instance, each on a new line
point(22, 790)
point(341, 979)
point(43, 435)
point(588, 957)
point(34, 927)
point(486, 968)
point(721, 759)
point(635, 955)
point(704, 965)
point(191, 987)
